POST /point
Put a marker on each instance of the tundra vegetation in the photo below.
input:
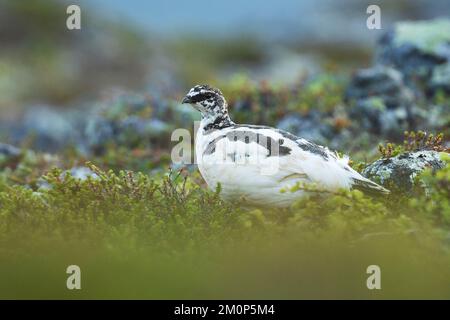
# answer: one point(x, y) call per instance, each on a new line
point(143, 231)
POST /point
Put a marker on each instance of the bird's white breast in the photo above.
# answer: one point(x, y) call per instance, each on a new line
point(244, 170)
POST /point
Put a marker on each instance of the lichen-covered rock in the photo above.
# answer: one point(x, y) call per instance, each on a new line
point(133, 129)
point(382, 103)
point(416, 48)
point(98, 132)
point(127, 120)
point(412, 64)
point(373, 115)
point(399, 173)
point(440, 78)
point(437, 118)
point(383, 82)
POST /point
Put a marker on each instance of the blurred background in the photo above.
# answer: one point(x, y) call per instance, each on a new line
point(309, 67)
point(142, 45)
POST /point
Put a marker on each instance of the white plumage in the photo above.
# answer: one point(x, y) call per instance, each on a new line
point(255, 163)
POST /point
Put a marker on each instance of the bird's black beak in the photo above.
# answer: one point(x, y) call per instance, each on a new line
point(186, 100)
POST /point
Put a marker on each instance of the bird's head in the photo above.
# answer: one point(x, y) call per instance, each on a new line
point(208, 100)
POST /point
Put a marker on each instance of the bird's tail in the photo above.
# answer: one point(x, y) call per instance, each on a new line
point(358, 182)
point(368, 187)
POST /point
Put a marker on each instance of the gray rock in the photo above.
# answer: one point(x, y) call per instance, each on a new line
point(399, 173)
point(98, 132)
point(435, 118)
point(382, 103)
point(382, 82)
point(126, 120)
point(372, 114)
point(125, 104)
point(412, 62)
point(440, 78)
point(8, 150)
point(132, 130)
point(416, 48)
point(49, 128)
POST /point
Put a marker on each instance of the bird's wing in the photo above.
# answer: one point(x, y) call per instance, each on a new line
point(288, 157)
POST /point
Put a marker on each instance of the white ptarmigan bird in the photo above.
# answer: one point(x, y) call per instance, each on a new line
point(255, 163)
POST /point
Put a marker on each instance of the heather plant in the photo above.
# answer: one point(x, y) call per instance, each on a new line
point(414, 141)
point(137, 228)
point(435, 203)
